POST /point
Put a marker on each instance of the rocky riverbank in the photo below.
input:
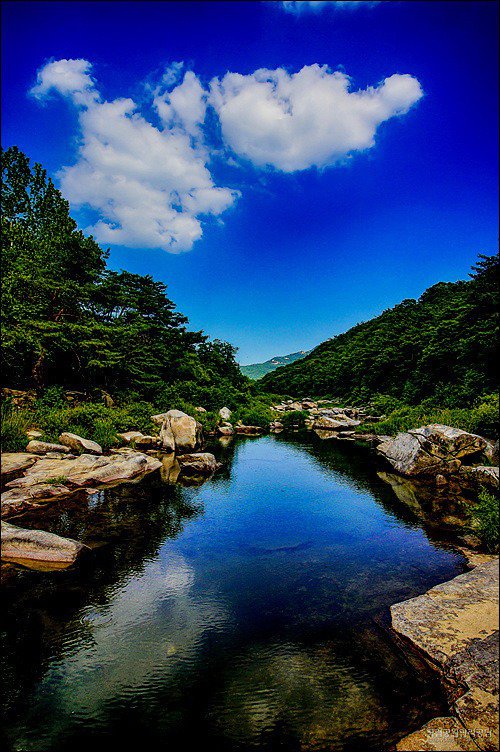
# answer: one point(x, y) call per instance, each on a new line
point(454, 626)
point(49, 472)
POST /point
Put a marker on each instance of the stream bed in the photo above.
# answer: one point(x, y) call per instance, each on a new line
point(249, 613)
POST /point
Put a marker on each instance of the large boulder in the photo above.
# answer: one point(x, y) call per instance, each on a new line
point(454, 626)
point(202, 463)
point(225, 413)
point(37, 548)
point(180, 432)
point(430, 450)
point(482, 476)
point(78, 444)
point(42, 447)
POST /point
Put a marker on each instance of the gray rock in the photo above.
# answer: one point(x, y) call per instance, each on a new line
point(78, 444)
point(37, 548)
point(12, 463)
point(455, 627)
point(225, 413)
point(202, 463)
point(42, 447)
point(430, 450)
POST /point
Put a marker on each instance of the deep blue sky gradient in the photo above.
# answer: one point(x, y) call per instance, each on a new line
point(303, 256)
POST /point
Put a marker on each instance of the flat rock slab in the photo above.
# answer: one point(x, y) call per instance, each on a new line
point(16, 462)
point(50, 479)
point(439, 735)
point(42, 447)
point(455, 625)
point(38, 549)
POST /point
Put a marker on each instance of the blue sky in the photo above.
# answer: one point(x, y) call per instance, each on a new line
point(301, 202)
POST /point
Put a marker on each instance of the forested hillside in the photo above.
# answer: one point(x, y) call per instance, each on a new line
point(258, 370)
point(69, 320)
point(441, 346)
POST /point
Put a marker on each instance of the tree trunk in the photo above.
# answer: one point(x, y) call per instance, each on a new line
point(38, 372)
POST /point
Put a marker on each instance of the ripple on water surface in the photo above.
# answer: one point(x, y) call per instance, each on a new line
point(244, 612)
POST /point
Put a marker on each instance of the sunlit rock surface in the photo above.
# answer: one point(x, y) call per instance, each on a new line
point(38, 549)
point(455, 626)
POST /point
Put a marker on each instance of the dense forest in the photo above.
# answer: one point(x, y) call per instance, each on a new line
point(69, 320)
point(442, 346)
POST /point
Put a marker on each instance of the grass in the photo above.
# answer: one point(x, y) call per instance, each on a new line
point(486, 520)
point(57, 480)
point(481, 419)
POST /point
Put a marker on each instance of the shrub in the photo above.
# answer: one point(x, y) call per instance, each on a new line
point(486, 520)
point(294, 419)
point(15, 423)
point(255, 414)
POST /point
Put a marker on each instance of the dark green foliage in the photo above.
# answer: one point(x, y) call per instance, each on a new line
point(69, 322)
point(294, 419)
point(486, 519)
point(442, 345)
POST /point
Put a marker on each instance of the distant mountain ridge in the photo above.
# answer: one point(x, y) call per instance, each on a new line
point(258, 370)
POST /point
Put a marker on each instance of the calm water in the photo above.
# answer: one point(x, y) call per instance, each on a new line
point(249, 613)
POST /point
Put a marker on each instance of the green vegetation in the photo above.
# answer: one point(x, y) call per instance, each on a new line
point(481, 418)
point(440, 347)
point(58, 480)
point(486, 520)
point(68, 321)
point(258, 370)
point(294, 419)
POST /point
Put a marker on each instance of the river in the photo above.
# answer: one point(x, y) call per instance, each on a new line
point(249, 613)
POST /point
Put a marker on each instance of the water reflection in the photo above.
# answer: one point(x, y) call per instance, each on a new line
point(239, 612)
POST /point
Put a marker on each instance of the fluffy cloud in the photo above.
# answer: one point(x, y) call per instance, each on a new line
point(305, 119)
point(297, 6)
point(151, 186)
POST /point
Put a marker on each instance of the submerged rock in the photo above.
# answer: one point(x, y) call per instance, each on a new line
point(37, 548)
point(78, 444)
point(430, 450)
point(438, 735)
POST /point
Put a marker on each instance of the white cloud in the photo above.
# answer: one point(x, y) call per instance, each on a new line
point(151, 186)
point(305, 119)
point(298, 6)
point(71, 78)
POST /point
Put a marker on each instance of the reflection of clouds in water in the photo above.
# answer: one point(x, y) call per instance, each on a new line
point(138, 639)
point(310, 691)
